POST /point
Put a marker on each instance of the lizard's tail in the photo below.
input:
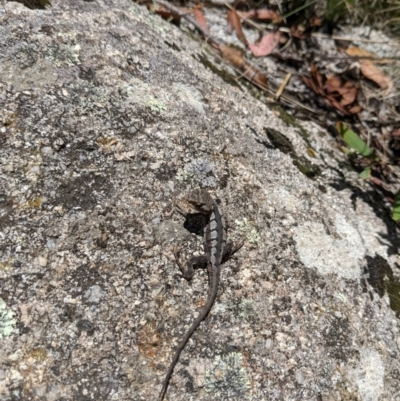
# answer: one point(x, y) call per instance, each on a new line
point(189, 333)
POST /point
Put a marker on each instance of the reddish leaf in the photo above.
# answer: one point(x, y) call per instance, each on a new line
point(308, 82)
point(376, 181)
point(235, 57)
point(262, 15)
point(248, 14)
point(200, 18)
point(334, 90)
point(355, 109)
point(168, 15)
point(266, 45)
point(337, 86)
point(317, 77)
point(333, 102)
point(315, 82)
point(297, 32)
point(349, 94)
point(369, 69)
point(316, 21)
point(234, 22)
point(333, 83)
point(372, 72)
point(255, 75)
point(232, 55)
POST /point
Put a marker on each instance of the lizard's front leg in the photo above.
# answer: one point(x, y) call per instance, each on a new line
point(200, 261)
point(188, 268)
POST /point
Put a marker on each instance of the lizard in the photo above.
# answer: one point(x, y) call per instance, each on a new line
point(217, 251)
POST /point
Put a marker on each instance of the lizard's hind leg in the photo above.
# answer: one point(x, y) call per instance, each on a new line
point(230, 250)
point(187, 269)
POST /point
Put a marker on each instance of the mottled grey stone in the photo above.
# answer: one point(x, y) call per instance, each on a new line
point(108, 116)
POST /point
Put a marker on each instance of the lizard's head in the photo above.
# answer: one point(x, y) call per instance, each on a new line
point(200, 200)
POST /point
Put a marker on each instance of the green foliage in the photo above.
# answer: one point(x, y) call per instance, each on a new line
point(380, 14)
point(396, 207)
point(355, 142)
point(359, 146)
point(346, 150)
point(300, 8)
point(366, 173)
point(336, 10)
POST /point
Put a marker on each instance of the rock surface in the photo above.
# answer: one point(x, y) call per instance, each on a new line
point(108, 115)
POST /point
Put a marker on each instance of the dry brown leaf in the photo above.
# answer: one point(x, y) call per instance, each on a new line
point(266, 45)
point(333, 83)
point(200, 18)
point(346, 90)
point(262, 15)
point(333, 102)
point(372, 72)
point(309, 82)
point(369, 69)
point(168, 15)
point(355, 51)
point(334, 90)
point(355, 109)
point(235, 57)
point(316, 21)
point(297, 32)
point(349, 94)
point(316, 81)
point(232, 55)
point(255, 75)
point(376, 181)
point(234, 22)
point(248, 14)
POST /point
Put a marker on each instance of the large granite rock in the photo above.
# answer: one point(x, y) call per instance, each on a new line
point(109, 114)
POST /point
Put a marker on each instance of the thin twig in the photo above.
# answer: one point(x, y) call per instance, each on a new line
point(283, 86)
point(347, 38)
point(381, 59)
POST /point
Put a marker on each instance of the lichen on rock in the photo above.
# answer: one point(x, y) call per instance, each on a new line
point(7, 320)
point(229, 378)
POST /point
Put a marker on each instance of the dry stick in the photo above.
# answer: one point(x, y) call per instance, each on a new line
point(392, 109)
point(350, 39)
point(283, 86)
point(380, 60)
